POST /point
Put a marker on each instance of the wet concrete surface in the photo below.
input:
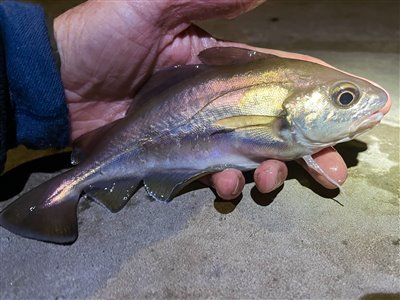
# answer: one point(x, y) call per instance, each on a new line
point(295, 243)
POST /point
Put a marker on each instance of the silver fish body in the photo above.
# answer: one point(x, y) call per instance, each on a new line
point(237, 109)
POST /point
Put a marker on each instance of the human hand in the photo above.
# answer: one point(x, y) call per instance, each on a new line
point(109, 48)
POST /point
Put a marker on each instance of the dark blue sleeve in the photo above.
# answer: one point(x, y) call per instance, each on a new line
point(6, 125)
point(33, 111)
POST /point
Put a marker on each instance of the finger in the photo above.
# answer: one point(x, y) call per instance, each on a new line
point(333, 165)
point(270, 175)
point(280, 53)
point(228, 183)
point(204, 40)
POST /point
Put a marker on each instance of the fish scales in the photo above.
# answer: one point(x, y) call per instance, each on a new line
point(236, 109)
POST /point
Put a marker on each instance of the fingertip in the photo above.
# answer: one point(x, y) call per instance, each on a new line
point(270, 175)
point(228, 183)
point(333, 165)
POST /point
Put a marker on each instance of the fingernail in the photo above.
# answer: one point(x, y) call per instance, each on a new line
point(280, 179)
point(269, 170)
point(236, 191)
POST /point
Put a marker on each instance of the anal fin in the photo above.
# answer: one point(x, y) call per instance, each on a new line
point(165, 185)
point(113, 194)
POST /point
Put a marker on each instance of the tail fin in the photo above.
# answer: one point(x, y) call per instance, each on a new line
point(46, 213)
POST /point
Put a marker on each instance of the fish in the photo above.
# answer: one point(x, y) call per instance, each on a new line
point(235, 109)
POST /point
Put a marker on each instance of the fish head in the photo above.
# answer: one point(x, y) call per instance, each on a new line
point(333, 107)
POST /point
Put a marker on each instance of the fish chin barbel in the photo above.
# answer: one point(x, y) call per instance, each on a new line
point(236, 109)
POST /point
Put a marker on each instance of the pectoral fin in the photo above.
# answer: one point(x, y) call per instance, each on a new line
point(237, 122)
point(165, 185)
point(258, 129)
point(113, 195)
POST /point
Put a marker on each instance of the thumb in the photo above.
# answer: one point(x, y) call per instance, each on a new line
point(197, 10)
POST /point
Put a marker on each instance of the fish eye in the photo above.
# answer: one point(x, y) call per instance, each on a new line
point(345, 98)
point(345, 94)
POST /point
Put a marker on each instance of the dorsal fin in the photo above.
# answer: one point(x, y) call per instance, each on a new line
point(221, 56)
point(216, 56)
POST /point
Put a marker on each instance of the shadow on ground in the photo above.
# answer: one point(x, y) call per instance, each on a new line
point(16, 179)
point(381, 296)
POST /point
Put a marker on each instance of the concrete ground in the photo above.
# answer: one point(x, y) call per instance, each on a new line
point(295, 243)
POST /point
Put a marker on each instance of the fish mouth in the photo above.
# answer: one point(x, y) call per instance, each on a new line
point(365, 123)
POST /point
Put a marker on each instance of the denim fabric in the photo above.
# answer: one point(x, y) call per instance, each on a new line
point(34, 83)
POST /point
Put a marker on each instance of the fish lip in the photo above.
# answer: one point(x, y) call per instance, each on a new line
point(366, 123)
